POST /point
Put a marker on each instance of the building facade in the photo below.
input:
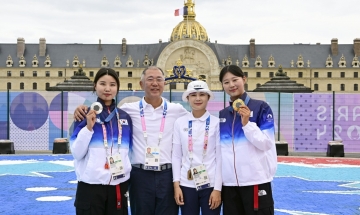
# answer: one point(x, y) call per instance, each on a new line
point(322, 67)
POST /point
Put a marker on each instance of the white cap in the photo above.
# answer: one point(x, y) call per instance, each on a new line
point(197, 86)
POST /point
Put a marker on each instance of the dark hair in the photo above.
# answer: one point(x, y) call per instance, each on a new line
point(151, 68)
point(233, 69)
point(106, 71)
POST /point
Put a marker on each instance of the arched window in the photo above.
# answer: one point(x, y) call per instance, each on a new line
point(258, 85)
point(316, 87)
point(356, 87)
point(34, 86)
point(9, 86)
point(342, 87)
point(47, 85)
point(21, 86)
point(129, 86)
point(329, 87)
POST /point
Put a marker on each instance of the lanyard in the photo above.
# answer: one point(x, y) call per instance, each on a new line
point(190, 142)
point(162, 126)
point(119, 129)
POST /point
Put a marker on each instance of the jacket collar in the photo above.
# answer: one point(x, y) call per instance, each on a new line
point(145, 103)
point(202, 118)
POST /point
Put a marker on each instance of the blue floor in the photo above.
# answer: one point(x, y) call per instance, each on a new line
point(298, 190)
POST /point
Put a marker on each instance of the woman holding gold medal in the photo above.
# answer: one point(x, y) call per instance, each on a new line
point(248, 149)
point(100, 145)
point(196, 155)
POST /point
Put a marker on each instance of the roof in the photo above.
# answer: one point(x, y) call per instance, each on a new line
point(283, 54)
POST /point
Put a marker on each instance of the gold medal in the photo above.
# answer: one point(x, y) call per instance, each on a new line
point(237, 103)
point(189, 176)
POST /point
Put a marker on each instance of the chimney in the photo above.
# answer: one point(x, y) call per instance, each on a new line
point(252, 48)
point(334, 46)
point(357, 46)
point(123, 47)
point(20, 47)
point(160, 40)
point(100, 48)
point(42, 47)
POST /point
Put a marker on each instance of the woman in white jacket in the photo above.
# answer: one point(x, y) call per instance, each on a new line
point(196, 155)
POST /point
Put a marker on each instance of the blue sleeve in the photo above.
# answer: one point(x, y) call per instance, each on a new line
point(266, 117)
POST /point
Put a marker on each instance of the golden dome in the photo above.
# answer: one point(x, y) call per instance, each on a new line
point(189, 28)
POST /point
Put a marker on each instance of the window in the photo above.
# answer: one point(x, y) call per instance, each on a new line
point(9, 86)
point(118, 73)
point(186, 85)
point(47, 85)
point(300, 74)
point(173, 86)
point(258, 85)
point(246, 86)
point(8, 73)
point(129, 86)
point(129, 74)
point(342, 87)
point(21, 86)
point(316, 74)
point(47, 73)
point(34, 74)
point(91, 73)
point(316, 87)
point(329, 87)
point(356, 74)
point(74, 72)
point(34, 86)
point(258, 74)
point(60, 74)
point(21, 73)
point(329, 74)
point(342, 74)
point(246, 74)
point(356, 87)
point(271, 74)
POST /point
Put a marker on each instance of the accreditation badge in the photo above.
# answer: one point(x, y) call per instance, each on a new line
point(152, 158)
point(200, 177)
point(116, 166)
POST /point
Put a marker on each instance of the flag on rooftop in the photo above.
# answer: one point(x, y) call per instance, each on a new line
point(181, 12)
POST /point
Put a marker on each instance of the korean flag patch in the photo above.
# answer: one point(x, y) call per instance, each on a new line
point(124, 122)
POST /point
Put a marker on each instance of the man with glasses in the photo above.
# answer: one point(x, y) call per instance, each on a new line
point(151, 186)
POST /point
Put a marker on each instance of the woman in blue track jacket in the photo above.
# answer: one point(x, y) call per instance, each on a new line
point(248, 149)
point(100, 145)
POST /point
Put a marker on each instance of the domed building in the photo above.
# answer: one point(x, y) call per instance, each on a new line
point(322, 67)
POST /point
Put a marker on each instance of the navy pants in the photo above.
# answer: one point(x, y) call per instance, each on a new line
point(194, 200)
point(152, 192)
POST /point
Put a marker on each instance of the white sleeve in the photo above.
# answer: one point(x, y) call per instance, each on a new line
point(262, 140)
point(182, 111)
point(80, 145)
point(218, 170)
point(176, 154)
